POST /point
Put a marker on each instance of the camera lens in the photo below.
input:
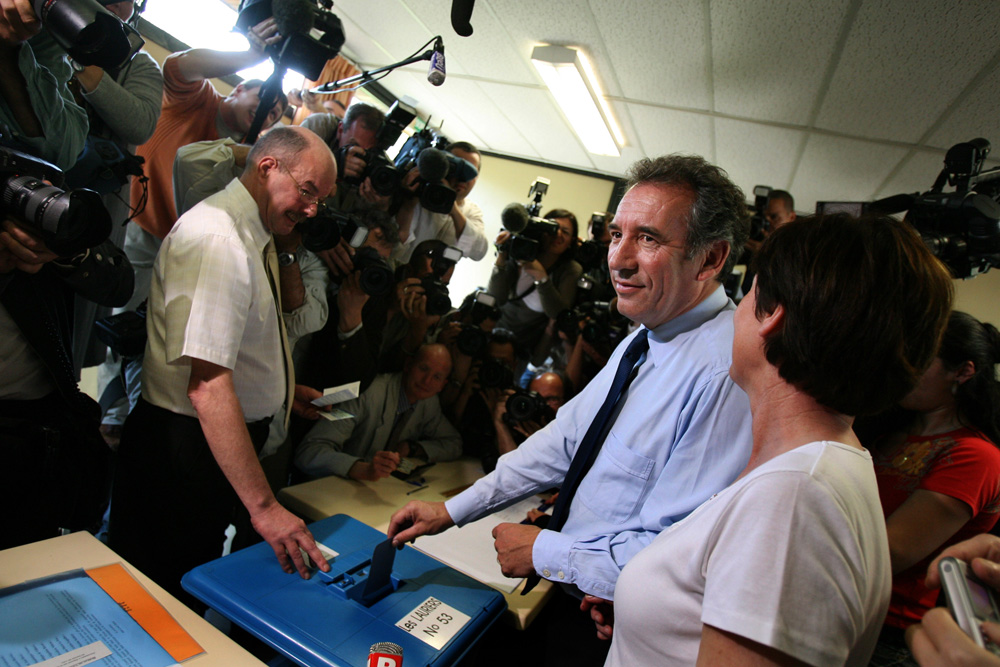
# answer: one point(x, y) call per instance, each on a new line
point(319, 233)
point(471, 341)
point(68, 222)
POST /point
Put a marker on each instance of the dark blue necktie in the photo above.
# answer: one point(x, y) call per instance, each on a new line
point(590, 446)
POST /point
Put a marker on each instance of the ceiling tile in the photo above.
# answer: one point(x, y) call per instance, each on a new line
point(904, 63)
point(663, 131)
point(837, 169)
point(974, 116)
point(755, 154)
point(769, 57)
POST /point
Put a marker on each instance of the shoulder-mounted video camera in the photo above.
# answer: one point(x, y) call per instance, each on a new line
point(426, 151)
point(311, 33)
point(526, 229)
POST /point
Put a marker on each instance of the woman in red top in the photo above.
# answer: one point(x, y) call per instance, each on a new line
point(939, 469)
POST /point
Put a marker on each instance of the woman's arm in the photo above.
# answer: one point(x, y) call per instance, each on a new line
point(724, 648)
point(921, 525)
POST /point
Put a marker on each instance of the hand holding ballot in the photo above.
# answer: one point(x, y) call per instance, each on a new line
point(418, 518)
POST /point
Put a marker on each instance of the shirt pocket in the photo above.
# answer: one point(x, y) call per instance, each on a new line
point(616, 482)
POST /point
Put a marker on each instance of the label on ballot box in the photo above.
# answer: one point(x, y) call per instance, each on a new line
point(434, 622)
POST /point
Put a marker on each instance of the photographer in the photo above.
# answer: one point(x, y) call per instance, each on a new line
point(545, 394)
point(462, 227)
point(531, 293)
point(123, 105)
point(55, 465)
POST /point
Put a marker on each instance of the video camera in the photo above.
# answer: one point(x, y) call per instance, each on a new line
point(68, 222)
point(961, 228)
point(526, 229)
point(426, 151)
point(88, 32)
point(442, 259)
point(596, 321)
point(386, 178)
point(525, 405)
point(312, 34)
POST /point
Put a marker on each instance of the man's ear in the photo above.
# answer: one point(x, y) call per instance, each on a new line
point(772, 322)
point(715, 259)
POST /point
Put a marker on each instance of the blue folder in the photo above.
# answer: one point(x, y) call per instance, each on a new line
point(434, 612)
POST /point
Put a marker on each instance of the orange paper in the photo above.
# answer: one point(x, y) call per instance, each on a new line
point(147, 612)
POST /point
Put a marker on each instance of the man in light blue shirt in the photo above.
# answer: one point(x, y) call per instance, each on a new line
point(682, 431)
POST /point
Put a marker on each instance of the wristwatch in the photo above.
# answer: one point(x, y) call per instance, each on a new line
point(287, 258)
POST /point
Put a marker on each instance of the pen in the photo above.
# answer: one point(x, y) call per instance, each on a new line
point(417, 482)
point(417, 489)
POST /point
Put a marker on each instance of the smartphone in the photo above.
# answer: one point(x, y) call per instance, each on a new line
point(969, 600)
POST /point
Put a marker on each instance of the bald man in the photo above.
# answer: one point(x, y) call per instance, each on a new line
point(214, 372)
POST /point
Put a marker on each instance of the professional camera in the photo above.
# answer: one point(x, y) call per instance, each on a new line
point(596, 321)
point(442, 259)
point(376, 277)
point(528, 406)
point(591, 255)
point(425, 150)
point(526, 229)
point(962, 228)
point(328, 226)
point(312, 34)
point(758, 219)
point(68, 222)
point(494, 374)
point(385, 176)
point(88, 32)
point(124, 333)
point(477, 307)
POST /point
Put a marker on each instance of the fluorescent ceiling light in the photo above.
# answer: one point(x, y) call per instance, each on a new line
point(569, 76)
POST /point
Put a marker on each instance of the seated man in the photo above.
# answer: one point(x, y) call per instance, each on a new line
point(398, 416)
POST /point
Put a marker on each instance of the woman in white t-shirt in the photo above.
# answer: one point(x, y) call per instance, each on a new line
point(790, 564)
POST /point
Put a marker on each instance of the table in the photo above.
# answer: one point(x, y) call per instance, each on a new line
point(373, 503)
point(83, 550)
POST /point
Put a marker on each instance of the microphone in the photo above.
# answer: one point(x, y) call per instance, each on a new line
point(461, 14)
point(293, 17)
point(436, 72)
point(433, 165)
point(514, 217)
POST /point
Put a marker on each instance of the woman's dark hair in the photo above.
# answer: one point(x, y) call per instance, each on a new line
point(575, 241)
point(978, 398)
point(865, 305)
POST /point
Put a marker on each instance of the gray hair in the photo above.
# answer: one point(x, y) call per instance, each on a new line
point(719, 212)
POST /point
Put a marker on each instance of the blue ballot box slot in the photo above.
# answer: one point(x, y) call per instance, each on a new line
point(371, 593)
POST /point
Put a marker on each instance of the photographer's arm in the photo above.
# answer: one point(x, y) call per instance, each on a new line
point(130, 108)
point(200, 64)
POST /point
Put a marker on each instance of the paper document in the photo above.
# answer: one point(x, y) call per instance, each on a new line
point(335, 415)
point(333, 395)
point(76, 618)
point(469, 549)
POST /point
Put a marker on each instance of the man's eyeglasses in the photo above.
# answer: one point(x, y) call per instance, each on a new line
point(304, 195)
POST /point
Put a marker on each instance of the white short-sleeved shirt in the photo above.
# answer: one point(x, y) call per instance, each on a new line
point(210, 299)
point(793, 556)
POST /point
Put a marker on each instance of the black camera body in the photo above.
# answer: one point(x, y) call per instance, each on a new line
point(88, 32)
point(759, 226)
point(438, 300)
point(312, 35)
point(591, 255)
point(528, 406)
point(386, 177)
point(471, 340)
point(69, 222)
point(596, 321)
point(527, 230)
point(495, 374)
point(124, 333)
point(328, 227)
point(377, 279)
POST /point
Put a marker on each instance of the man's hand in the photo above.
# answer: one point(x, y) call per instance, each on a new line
point(338, 259)
point(354, 163)
point(418, 518)
point(602, 613)
point(514, 544)
point(286, 533)
point(982, 553)
point(351, 299)
point(18, 21)
point(302, 403)
point(382, 465)
point(937, 641)
point(368, 193)
point(263, 35)
point(20, 250)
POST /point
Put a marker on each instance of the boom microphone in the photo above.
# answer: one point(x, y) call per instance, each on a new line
point(436, 73)
point(461, 14)
point(514, 217)
point(293, 17)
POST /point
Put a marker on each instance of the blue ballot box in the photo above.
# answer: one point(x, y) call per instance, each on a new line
point(434, 612)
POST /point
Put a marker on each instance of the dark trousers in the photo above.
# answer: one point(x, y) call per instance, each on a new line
point(171, 503)
point(54, 469)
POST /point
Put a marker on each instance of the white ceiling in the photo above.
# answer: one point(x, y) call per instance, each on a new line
point(829, 99)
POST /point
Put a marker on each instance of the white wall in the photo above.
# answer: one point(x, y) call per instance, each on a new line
point(504, 181)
